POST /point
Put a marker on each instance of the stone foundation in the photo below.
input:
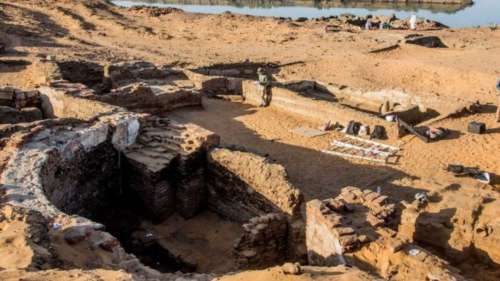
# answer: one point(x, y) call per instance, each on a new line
point(263, 243)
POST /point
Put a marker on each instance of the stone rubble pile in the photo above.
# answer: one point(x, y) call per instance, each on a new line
point(353, 228)
point(263, 243)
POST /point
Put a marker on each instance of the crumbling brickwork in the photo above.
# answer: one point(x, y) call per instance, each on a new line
point(462, 226)
point(81, 189)
point(351, 228)
point(243, 185)
point(152, 99)
point(263, 243)
point(123, 73)
point(168, 166)
point(18, 106)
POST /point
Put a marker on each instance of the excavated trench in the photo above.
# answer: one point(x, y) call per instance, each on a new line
point(102, 185)
point(237, 79)
point(186, 217)
point(92, 184)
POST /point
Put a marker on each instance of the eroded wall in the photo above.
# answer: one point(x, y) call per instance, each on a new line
point(243, 185)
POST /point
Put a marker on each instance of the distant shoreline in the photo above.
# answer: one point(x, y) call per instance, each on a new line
point(445, 6)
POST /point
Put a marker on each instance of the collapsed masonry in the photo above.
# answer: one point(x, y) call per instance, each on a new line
point(353, 227)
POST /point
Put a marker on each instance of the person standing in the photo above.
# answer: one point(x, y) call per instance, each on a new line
point(413, 22)
point(265, 83)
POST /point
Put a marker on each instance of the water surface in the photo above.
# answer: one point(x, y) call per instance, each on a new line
point(481, 13)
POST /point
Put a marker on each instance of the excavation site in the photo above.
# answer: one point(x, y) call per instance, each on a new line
point(150, 143)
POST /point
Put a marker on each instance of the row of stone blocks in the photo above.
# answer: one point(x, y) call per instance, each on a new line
point(17, 106)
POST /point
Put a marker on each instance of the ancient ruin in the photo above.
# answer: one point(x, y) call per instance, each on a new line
point(133, 169)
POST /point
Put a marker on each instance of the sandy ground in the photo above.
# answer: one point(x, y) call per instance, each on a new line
point(210, 248)
point(101, 33)
point(277, 274)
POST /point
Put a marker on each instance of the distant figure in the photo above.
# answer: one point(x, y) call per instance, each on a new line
point(368, 24)
point(265, 83)
point(498, 103)
point(413, 22)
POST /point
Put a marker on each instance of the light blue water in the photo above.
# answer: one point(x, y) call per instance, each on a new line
point(481, 13)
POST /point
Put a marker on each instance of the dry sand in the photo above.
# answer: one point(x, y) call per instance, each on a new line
point(93, 31)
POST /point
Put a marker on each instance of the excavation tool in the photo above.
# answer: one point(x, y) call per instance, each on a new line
point(355, 147)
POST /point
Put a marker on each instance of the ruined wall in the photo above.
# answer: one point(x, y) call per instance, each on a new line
point(217, 85)
point(82, 189)
point(123, 73)
point(243, 185)
point(460, 225)
point(152, 99)
point(88, 73)
point(18, 106)
point(318, 110)
point(168, 163)
point(352, 228)
point(64, 100)
point(263, 243)
point(328, 234)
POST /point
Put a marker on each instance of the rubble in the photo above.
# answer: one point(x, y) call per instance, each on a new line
point(358, 221)
point(263, 243)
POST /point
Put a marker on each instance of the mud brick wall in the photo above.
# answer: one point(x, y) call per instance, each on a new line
point(190, 168)
point(354, 223)
point(380, 209)
point(18, 99)
point(18, 106)
point(190, 182)
point(327, 235)
point(169, 161)
point(217, 85)
point(124, 72)
point(64, 100)
point(78, 188)
point(9, 115)
point(263, 242)
point(320, 111)
point(243, 185)
point(156, 194)
point(343, 224)
point(140, 96)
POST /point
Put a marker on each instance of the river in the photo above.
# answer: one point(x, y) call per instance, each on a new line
point(480, 13)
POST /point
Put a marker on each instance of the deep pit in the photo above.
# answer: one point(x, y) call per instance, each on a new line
point(175, 215)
